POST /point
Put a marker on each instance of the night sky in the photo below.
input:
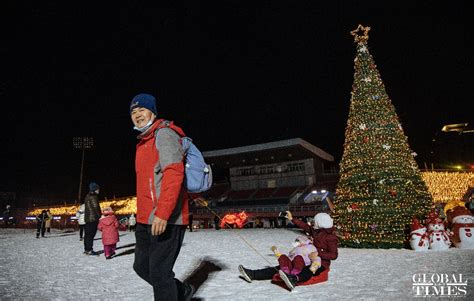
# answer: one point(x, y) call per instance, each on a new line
point(231, 73)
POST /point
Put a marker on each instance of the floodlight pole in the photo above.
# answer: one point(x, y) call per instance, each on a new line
point(82, 143)
point(80, 177)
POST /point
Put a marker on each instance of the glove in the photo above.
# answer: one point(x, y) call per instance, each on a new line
point(276, 251)
point(314, 267)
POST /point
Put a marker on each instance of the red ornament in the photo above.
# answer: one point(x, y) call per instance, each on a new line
point(354, 206)
point(366, 139)
point(393, 193)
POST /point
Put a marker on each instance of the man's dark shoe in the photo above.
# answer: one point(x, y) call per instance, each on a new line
point(245, 273)
point(290, 280)
point(91, 253)
point(189, 291)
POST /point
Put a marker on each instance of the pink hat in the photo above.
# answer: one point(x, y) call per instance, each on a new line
point(108, 211)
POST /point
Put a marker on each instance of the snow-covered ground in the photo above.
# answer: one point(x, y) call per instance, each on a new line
point(54, 268)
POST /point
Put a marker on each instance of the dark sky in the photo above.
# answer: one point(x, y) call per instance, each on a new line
point(231, 73)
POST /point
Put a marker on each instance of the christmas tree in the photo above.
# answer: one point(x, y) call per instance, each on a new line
point(381, 188)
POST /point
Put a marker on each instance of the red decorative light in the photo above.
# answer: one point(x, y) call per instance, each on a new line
point(238, 219)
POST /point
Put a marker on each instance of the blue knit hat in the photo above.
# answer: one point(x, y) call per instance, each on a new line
point(146, 101)
point(93, 187)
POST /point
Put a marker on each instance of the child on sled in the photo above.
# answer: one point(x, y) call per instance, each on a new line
point(304, 253)
point(325, 241)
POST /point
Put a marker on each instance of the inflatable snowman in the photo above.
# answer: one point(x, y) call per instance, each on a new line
point(418, 236)
point(462, 227)
point(438, 236)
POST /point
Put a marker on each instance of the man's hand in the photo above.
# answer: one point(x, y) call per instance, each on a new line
point(201, 201)
point(289, 216)
point(158, 226)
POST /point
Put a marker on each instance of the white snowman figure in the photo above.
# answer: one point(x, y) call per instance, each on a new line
point(438, 236)
point(462, 227)
point(418, 236)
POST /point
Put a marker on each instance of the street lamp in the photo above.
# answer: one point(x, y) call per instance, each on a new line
point(82, 143)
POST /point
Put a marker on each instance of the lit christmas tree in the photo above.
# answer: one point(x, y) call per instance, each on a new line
point(381, 188)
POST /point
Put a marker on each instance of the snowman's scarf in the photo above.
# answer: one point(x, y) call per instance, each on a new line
point(456, 228)
point(422, 237)
point(443, 232)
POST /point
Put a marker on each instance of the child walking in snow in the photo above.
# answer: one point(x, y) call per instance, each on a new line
point(109, 224)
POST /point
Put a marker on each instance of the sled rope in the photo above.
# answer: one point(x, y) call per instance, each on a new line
point(205, 204)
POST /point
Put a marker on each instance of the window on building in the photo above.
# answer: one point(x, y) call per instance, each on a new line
point(266, 170)
point(246, 171)
point(295, 167)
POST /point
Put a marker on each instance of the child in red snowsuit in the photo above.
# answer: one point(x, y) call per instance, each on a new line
point(109, 224)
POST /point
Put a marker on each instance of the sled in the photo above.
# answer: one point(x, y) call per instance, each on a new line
point(323, 277)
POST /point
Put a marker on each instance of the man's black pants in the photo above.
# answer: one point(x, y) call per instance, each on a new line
point(91, 230)
point(155, 257)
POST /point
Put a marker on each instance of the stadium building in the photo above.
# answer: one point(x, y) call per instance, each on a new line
point(265, 179)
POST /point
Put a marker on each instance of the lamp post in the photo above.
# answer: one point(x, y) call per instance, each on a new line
point(82, 143)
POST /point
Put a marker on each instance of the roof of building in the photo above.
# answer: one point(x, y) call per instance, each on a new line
point(265, 153)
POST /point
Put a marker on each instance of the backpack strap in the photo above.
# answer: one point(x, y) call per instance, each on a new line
point(169, 124)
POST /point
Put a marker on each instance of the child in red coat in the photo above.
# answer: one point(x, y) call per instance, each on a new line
point(109, 224)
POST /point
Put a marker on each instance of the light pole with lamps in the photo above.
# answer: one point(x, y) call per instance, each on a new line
point(82, 143)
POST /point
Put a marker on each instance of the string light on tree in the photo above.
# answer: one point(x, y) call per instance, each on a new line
point(448, 186)
point(380, 188)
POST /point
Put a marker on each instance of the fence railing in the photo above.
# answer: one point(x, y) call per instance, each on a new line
point(263, 209)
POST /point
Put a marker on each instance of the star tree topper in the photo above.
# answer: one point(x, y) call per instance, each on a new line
point(361, 34)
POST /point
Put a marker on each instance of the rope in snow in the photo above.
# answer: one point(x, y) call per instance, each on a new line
point(205, 204)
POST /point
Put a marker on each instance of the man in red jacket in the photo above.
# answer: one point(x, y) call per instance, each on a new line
point(324, 239)
point(162, 200)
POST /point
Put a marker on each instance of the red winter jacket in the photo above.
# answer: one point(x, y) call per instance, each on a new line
point(109, 227)
point(325, 240)
point(160, 174)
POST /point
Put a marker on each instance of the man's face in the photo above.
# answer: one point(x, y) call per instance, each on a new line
point(141, 116)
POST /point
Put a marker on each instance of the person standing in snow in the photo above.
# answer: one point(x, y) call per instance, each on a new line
point(109, 225)
point(132, 223)
point(91, 217)
point(80, 220)
point(6, 216)
point(48, 221)
point(162, 200)
point(325, 241)
point(41, 223)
